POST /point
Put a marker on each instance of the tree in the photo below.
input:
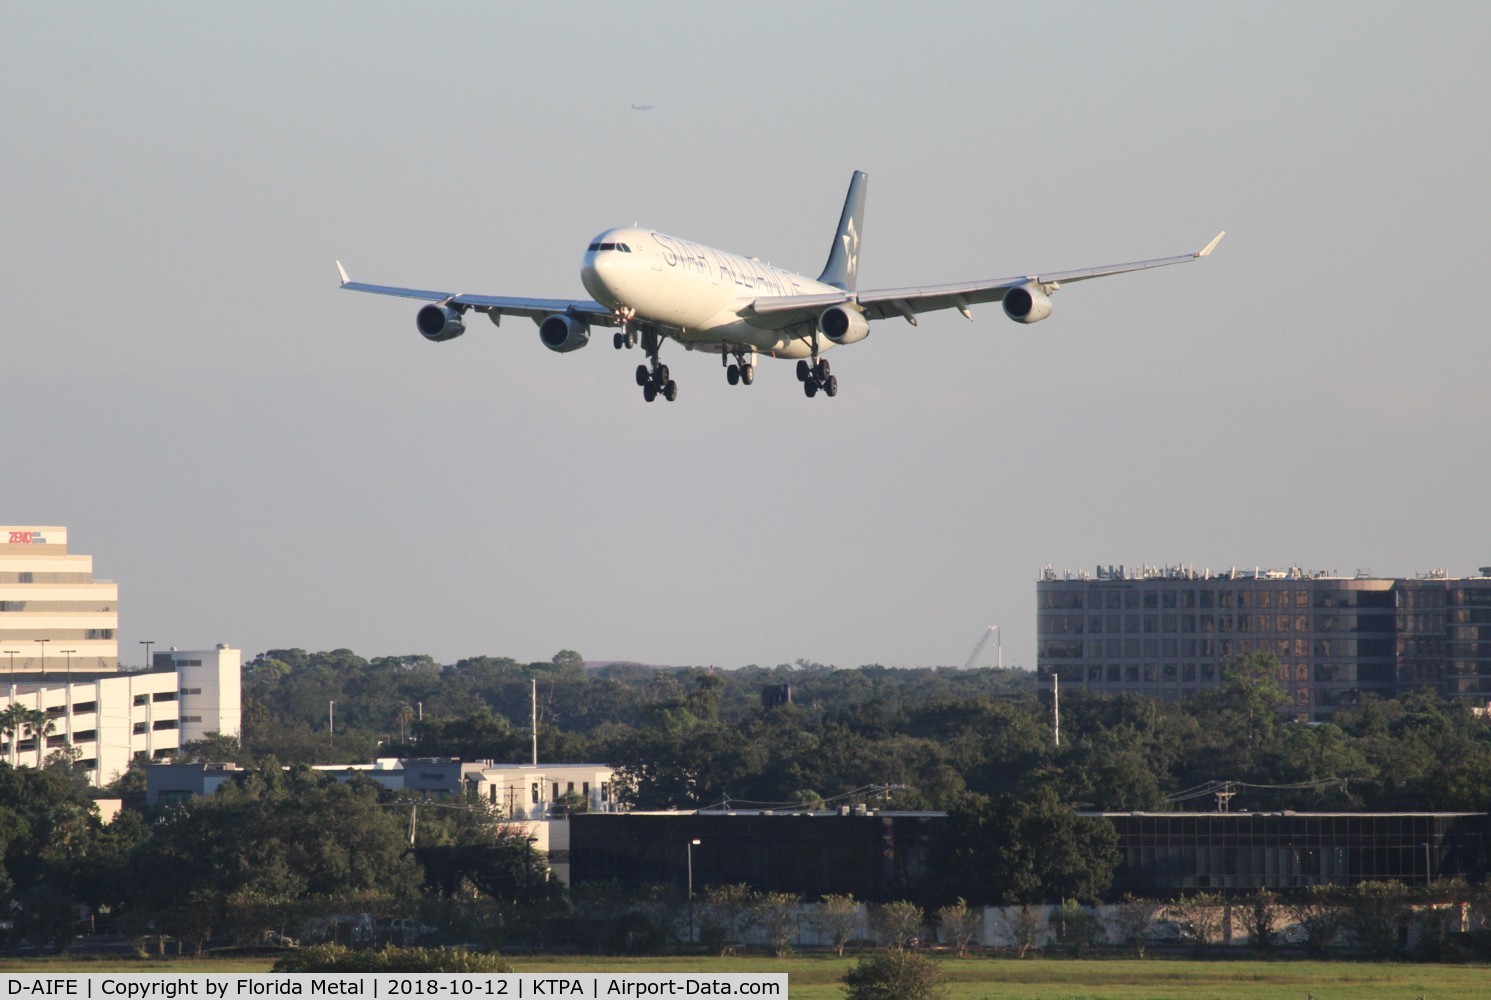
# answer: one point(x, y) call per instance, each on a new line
point(836, 918)
point(214, 748)
point(1078, 928)
point(1023, 925)
point(960, 925)
point(1132, 920)
point(779, 915)
point(1376, 914)
point(1026, 848)
point(1260, 915)
point(894, 975)
point(1198, 918)
point(1320, 915)
point(899, 924)
point(276, 837)
point(725, 914)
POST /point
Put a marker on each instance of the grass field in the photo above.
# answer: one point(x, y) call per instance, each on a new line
point(815, 977)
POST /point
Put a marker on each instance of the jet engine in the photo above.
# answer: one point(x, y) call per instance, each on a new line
point(843, 326)
point(1027, 304)
point(563, 334)
point(437, 322)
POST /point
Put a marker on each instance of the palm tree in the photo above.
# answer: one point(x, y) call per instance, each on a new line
point(12, 721)
point(17, 722)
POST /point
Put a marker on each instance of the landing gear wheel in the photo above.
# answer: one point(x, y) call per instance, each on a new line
point(748, 374)
point(618, 341)
point(661, 375)
point(649, 392)
point(831, 386)
point(670, 391)
point(732, 374)
point(820, 371)
point(803, 371)
point(810, 388)
point(642, 375)
point(631, 340)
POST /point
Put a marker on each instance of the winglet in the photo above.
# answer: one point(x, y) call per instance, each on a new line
point(343, 271)
point(1212, 245)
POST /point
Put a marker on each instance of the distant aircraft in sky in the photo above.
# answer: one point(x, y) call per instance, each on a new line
point(655, 288)
point(641, 107)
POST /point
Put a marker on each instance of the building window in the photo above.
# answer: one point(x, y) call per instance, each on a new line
point(142, 699)
point(85, 736)
point(535, 793)
point(165, 724)
point(84, 707)
point(163, 696)
point(139, 728)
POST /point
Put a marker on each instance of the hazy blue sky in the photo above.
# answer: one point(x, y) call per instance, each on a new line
point(263, 460)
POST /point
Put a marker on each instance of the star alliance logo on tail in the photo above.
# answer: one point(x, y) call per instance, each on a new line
point(851, 248)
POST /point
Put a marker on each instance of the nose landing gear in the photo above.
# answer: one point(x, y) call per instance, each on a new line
point(624, 337)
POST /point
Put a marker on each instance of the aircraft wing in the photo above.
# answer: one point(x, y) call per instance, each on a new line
point(502, 305)
point(884, 302)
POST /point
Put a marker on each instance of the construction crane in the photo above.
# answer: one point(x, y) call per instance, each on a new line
point(989, 633)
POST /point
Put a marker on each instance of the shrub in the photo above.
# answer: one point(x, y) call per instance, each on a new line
point(894, 975)
point(335, 958)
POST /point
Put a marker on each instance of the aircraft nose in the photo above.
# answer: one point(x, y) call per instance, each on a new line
point(603, 275)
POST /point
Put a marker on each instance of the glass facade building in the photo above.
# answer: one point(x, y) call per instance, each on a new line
point(1166, 854)
point(1165, 632)
point(876, 856)
point(879, 857)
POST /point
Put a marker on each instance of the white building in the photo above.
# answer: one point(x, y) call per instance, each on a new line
point(111, 718)
point(535, 791)
point(54, 617)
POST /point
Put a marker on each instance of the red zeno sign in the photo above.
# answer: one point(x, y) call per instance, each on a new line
point(21, 537)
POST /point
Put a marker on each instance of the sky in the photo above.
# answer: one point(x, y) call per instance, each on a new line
point(261, 459)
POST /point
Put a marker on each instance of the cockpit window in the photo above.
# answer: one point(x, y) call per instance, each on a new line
point(618, 247)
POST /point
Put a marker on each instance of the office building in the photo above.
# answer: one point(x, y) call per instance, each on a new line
point(54, 616)
point(1167, 631)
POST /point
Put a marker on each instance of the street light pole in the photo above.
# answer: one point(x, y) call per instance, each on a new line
point(689, 849)
point(147, 643)
point(12, 654)
point(69, 653)
point(43, 654)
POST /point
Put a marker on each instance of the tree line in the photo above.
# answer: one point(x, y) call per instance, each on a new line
point(282, 848)
point(932, 738)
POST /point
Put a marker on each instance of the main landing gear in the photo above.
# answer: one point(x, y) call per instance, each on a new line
point(742, 369)
point(816, 376)
point(653, 377)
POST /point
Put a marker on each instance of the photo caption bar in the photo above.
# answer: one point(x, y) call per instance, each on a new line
point(384, 986)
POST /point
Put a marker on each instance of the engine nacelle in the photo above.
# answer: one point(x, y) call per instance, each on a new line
point(1027, 304)
point(563, 334)
point(843, 326)
point(437, 322)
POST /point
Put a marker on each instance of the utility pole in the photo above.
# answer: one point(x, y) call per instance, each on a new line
point(1056, 704)
point(331, 723)
point(534, 721)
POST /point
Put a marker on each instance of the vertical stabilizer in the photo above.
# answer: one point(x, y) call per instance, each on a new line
point(842, 269)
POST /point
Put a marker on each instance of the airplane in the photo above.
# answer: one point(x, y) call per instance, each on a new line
point(654, 288)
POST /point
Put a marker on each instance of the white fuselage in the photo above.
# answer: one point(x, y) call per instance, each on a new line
point(696, 293)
